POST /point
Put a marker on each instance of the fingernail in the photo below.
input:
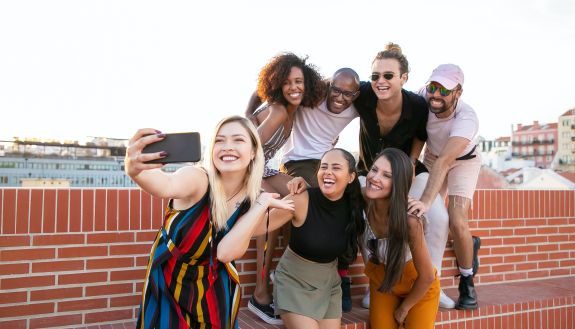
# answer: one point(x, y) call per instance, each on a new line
point(161, 135)
point(163, 154)
point(158, 132)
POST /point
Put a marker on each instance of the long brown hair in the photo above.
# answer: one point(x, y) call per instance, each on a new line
point(401, 178)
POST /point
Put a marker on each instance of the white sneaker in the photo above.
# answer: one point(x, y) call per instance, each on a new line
point(365, 300)
point(445, 301)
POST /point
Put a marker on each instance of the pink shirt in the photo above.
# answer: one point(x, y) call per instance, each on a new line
point(462, 122)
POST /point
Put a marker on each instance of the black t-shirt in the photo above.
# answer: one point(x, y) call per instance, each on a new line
point(322, 236)
point(412, 123)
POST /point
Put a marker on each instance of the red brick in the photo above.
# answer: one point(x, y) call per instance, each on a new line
point(62, 210)
point(14, 324)
point(13, 297)
point(525, 231)
point(100, 210)
point(501, 250)
point(146, 236)
point(36, 210)
point(130, 249)
point(58, 266)
point(515, 276)
point(146, 212)
point(550, 264)
point(109, 289)
point(526, 266)
point(88, 204)
point(75, 210)
point(56, 321)
point(133, 300)
point(14, 241)
point(107, 238)
point(109, 316)
point(535, 257)
point(538, 274)
point(135, 209)
point(16, 268)
point(107, 263)
point(49, 211)
point(26, 310)
point(23, 211)
point(57, 239)
point(54, 294)
point(79, 278)
point(567, 246)
point(158, 208)
point(112, 210)
point(27, 282)
point(124, 210)
point(82, 304)
point(88, 251)
point(536, 239)
point(27, 254)
point(126, 275)
point(9, 212)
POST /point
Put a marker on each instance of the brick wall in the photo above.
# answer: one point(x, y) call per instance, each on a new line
point(75, 257)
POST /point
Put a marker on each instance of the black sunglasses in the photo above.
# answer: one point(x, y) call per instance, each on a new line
point(387, 76)
point(346, 94)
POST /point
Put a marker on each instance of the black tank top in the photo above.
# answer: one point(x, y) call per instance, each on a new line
point(322, 236)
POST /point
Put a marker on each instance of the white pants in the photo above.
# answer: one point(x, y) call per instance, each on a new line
point(437, 222)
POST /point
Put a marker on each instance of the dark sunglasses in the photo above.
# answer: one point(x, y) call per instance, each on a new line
point(432, 88)
point(387, 76)
point(346, 94)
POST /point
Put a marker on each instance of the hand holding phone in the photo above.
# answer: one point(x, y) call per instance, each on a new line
point(180, 147)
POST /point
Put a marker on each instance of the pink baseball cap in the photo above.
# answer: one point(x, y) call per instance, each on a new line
point(448, 75)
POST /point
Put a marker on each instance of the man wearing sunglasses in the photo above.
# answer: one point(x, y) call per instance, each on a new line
point(315, 131)
point(454, 163)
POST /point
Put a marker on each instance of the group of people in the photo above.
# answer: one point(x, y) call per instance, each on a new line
point(390, 206)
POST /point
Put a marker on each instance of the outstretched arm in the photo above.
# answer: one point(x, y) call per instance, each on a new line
point(188, 182)
point(236, 241)
point(454, 147)
point(423, 266)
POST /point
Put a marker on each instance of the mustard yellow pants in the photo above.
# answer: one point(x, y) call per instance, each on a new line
point(382, 305)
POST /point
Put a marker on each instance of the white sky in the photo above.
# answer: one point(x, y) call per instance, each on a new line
point(71, 69)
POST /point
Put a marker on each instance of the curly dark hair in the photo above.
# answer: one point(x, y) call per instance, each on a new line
point(277, 70)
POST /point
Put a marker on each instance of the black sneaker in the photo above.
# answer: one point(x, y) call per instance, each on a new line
point(264, 312)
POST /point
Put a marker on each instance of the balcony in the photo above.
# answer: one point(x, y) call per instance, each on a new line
point(76, 258)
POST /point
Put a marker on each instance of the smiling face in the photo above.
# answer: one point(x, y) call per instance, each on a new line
point(334, 175)
point(442, 106)
point(233, 148)
point(385, 89)
point(342, 92)
point(293, 87)
point(379, 180)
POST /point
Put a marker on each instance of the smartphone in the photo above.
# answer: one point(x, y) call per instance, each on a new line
point(181, 147)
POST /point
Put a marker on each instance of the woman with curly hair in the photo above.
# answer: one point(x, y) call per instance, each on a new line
point(285, 83)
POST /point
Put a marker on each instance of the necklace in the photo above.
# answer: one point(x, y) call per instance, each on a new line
point(233, 196)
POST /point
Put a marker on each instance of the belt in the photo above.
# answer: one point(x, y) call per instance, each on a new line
point(469, 155)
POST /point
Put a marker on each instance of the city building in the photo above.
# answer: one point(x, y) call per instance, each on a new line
point(565, 160)
point(537, 142)
point(496, 154)
point(98, 162)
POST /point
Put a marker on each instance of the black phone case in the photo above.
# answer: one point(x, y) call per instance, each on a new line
point(181, 147)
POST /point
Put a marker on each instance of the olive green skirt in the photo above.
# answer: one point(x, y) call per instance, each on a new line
point(307, 288)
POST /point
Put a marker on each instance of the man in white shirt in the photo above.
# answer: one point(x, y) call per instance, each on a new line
point(453, 163)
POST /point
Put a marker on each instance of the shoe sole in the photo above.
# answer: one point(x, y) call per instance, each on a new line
point(467, 307)
point(263, 316)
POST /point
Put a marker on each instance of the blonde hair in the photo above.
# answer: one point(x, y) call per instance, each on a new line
point(252, 179)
